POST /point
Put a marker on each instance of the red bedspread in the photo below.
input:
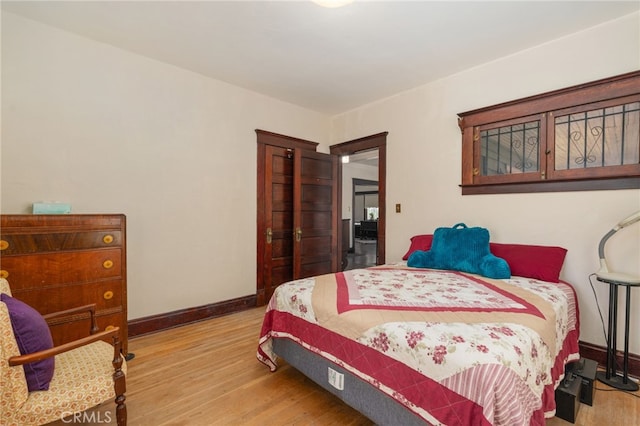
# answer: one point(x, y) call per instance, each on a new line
point(453, 348)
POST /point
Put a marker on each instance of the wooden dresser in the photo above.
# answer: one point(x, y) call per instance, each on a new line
point(57, 262)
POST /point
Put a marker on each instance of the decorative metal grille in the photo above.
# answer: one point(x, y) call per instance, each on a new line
point(598, 138)
point(511, 149)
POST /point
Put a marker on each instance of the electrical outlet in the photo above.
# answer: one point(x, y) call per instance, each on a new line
point(398, 208)
point(336, 379)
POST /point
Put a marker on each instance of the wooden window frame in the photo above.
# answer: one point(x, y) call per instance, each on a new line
point(613, 90)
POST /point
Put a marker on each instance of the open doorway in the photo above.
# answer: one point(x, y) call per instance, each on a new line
point(368, 151)
point(365, 213)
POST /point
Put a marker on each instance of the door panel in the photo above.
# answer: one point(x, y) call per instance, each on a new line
point(316, 222)
point(315, 197)
point(278, 219)
point(313, 257)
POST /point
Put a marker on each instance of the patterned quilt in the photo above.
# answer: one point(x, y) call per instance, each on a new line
point(452, 347)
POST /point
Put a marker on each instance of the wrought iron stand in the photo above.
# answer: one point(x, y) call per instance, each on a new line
point(610, 376)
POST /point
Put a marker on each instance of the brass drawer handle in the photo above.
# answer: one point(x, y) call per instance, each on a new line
point(107, 264)
point(4, 274)
point(109, 327)
point(107, 239)
point(4, 244)
point(108, 294)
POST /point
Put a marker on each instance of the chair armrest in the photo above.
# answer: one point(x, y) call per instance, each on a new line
point(56, 350)
point(91, 308)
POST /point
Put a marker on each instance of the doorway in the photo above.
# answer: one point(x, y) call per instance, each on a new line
point(370, 144)
point(365, 213)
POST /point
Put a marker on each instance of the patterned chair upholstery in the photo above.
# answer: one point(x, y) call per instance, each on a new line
point(88, 372)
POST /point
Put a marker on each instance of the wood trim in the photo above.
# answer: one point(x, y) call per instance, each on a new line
point(599, 354)
point(603, 89)
point(260, 223)
point(276, 139)
point(360, 144)
point(377, 141)
point(628, 182)
point(154, 323)
point(382, 196)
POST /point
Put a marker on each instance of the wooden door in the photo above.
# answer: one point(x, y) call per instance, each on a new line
point(315, 214)
point(277, 241)
point(296, 212)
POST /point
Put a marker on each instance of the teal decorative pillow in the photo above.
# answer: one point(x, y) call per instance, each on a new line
point(464, 249)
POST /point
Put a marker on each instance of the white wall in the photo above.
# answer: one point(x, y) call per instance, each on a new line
point(113, 132)
point(424, 162)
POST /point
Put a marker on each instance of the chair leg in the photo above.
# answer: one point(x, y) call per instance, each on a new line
point(119, 384)
point(121, 407)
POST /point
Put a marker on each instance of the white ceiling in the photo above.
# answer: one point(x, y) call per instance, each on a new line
point(328, 60)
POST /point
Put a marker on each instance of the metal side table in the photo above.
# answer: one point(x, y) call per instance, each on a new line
point(610, 376)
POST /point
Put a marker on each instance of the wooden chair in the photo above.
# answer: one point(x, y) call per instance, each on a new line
point(87, 372)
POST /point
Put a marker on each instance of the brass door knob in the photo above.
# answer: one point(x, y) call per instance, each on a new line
point(107, 264)
point(4, 245)
point(108, 294)
point(107, 239)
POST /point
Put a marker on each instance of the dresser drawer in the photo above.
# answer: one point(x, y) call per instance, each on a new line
point(43, 242)
point(107, 295)
point(69, 331)
point(37, 270)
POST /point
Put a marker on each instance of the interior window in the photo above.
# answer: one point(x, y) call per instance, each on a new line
point(580, 138)
point(511, 149)
point(602, 137)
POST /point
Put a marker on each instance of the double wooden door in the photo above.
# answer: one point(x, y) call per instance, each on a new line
point(297, 225)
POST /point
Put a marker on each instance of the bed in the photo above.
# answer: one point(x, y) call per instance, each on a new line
point(406, 345)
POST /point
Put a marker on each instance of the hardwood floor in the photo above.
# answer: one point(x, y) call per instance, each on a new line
point(364, 254)
point(207, 374)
